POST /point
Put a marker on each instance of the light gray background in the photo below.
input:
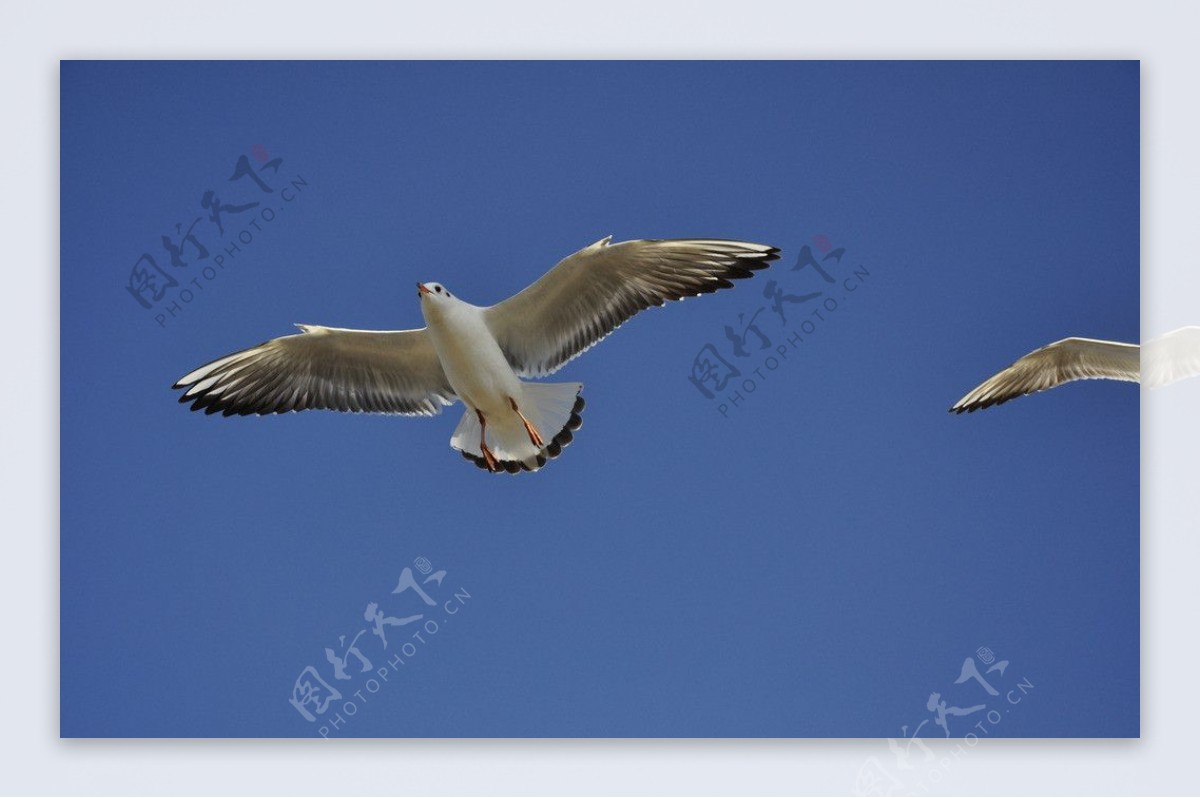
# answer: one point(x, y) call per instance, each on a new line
point(32, 40)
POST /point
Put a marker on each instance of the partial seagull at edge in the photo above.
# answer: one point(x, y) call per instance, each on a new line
point(1161, 361)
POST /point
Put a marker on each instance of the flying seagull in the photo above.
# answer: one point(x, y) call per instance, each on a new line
point(1055, 364)
point(478, 354)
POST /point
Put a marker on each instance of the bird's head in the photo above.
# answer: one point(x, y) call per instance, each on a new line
point(435, 292)
point(435, 297)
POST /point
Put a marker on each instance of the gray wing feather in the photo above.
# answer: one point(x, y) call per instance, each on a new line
point(357, 371)
point(591, 293)
point(1055, 364)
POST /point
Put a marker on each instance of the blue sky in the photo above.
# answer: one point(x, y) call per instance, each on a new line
point(815, 561)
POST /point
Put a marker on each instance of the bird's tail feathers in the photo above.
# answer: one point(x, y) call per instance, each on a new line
point(553, 408)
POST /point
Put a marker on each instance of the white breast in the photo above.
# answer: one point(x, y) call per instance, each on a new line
point(473, 361)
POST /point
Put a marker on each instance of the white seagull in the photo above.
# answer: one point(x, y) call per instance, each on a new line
point(478, 354)
point(1055, 364)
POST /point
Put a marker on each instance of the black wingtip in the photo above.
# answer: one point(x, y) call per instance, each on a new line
point(762, 261)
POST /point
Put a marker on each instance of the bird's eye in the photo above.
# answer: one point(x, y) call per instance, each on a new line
point(438, 289)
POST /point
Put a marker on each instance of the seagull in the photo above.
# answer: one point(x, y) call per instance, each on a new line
point(478, 355)
point(1055, 364)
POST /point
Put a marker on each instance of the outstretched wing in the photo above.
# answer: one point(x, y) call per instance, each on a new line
point(358, 371)
point(1060, 362)
point(591, 293)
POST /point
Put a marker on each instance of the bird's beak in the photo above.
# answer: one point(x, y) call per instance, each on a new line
point(421, 289)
